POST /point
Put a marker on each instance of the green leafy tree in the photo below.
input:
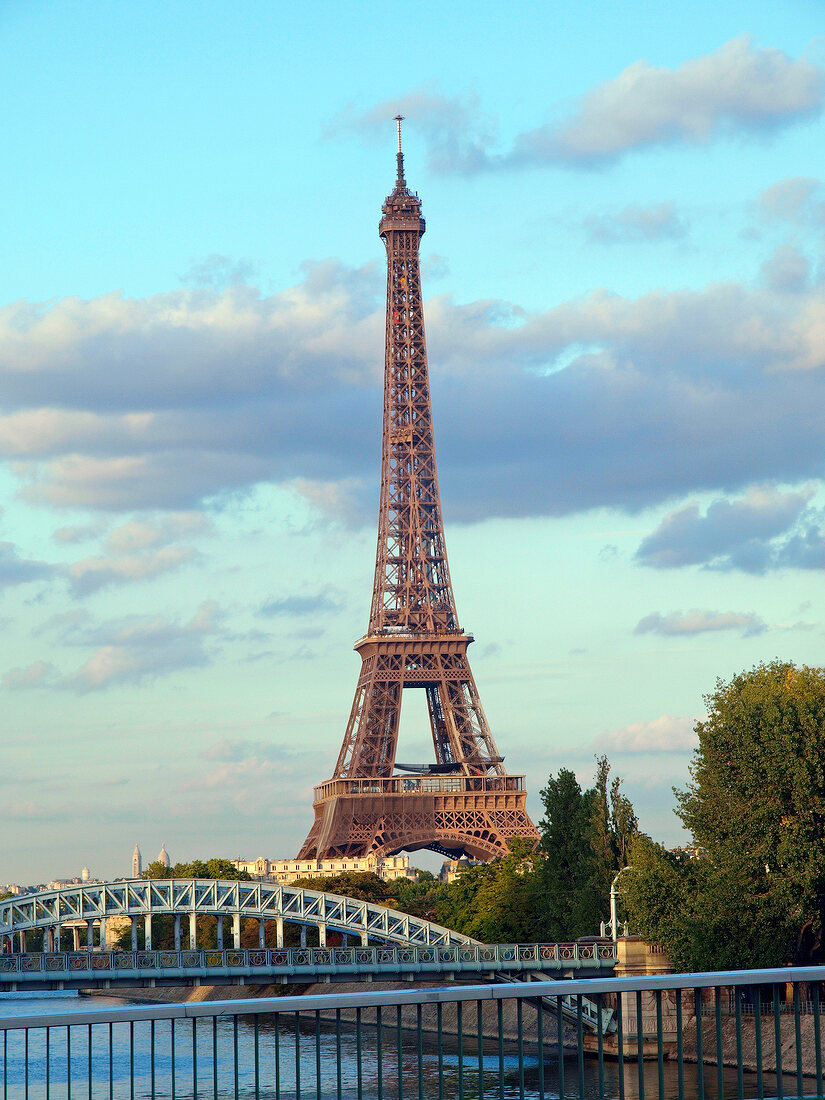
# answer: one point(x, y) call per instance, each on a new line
point(755, 807)
point(585, 838)
point(494, 902)
point(570, 879)
point(365, 885)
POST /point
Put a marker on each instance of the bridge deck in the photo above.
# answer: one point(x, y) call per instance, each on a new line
point(262, 966)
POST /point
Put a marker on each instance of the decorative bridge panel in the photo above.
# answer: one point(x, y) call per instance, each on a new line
point(474, 959)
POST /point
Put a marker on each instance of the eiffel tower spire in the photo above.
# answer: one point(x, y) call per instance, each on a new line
point(464, 802)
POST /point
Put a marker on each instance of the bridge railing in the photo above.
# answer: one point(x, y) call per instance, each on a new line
point(493, 1041)
point(475, 957)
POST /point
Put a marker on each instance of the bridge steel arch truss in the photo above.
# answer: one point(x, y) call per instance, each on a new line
point(146, 898)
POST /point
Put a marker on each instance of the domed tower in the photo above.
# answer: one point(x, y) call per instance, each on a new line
point(163, 856)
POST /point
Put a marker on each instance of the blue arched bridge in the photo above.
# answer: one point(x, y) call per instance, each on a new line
point(377, 943)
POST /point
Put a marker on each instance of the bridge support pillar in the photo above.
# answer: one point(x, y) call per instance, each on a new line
point(261, 932)
point(193, 932)
point(134, 932)
point(177, 931)
point(236, 931)
point(90, 935)
point(219, 931)
point(279, 931)
point(147, 932)
point(48, 940)
point(303, 935)
point(365, 938)
point(56, 939)
point(322, 935)
point(104, 945)
point(76, 938)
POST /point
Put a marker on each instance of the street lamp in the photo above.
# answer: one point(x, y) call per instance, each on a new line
point(613, 923)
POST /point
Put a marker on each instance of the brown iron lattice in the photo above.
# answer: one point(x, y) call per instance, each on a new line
point(414, 639)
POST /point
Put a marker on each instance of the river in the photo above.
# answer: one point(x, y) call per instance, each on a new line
point(197, 1073)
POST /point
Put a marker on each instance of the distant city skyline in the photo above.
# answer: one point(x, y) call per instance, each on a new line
point(624, 255)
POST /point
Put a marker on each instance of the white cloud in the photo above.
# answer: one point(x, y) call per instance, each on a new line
point(664, 734)
point(142, 647)
point(92, 574)
point(38, 674)
point(737, 89)
point(15, 570)
point(786, 269)
point(636, 223)
point(681, 623)
point(766, 529)
point(793, 200)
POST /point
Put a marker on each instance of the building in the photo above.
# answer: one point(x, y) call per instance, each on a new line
point(287, 870)
point(137, 863)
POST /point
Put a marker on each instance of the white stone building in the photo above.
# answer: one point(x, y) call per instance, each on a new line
point(287, 870)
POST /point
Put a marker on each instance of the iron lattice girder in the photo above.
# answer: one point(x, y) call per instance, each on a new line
point(413, 640)
point(213, 897)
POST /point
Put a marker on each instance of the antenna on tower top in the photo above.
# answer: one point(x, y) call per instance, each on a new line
point(400, 156)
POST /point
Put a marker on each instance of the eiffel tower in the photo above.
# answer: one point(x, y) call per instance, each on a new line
point(464, 803)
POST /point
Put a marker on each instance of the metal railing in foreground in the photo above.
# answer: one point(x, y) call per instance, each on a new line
point(482, 1041)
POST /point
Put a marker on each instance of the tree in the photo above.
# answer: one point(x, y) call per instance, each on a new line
point(494, 902)
point(585, 838)
point(756, 808)
point(569, 890)
point(365, 885)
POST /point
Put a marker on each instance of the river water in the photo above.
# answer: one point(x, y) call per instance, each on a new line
point(294, 1065)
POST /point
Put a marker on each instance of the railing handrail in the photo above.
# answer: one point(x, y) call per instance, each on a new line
point(371, 999)
point(405, 784)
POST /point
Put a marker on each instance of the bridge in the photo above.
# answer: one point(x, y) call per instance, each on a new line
point(471, 962)
point(96, 905)
point(391, 945)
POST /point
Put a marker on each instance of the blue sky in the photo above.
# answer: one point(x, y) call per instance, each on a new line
point(623, 272)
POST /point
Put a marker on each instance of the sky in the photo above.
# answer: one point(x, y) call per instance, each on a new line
point(623, 273)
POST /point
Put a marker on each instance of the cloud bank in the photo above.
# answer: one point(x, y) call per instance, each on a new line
point(680, 624)
point(665, 734)
point(767, 529)
point(118, 404)
point(737, 89)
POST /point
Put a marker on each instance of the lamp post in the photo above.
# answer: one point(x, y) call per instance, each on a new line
point(613, 923)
